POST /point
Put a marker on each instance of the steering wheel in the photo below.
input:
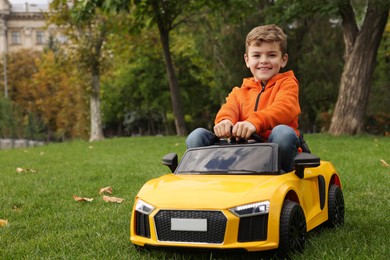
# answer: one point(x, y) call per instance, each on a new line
point(254, 136)
point(258, 138)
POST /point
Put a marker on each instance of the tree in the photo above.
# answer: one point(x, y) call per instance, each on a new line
point(47, 97)
point(215, 47)
point(58, 94)
point(135, 93)
point(167, 15)
point(361, 47)
point(22, 65)
point(378, 110)
point(87, 28)
point(315, 57)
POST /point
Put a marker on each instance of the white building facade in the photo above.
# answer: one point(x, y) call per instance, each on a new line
point(23, 26)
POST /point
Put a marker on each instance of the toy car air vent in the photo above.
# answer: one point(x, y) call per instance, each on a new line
point(213, 234)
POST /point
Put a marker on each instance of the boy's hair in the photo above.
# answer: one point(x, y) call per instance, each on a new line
point(266, 33)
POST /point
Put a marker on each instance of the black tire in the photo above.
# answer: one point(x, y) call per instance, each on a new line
point(335, 207)
point(292, 235)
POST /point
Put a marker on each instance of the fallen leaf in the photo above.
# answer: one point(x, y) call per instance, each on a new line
point(3, 222)
point(112, 199)
point(80, 199)
point(106, 190)
point(16, 208)
point(20, 170)
point(384, 163)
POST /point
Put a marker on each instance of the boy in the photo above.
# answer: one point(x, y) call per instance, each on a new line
point(266, 104)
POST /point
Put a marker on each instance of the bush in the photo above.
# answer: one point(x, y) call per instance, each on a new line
point(9, 119)
point(13, 124)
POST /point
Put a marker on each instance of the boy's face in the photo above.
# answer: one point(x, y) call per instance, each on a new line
point(265, 61)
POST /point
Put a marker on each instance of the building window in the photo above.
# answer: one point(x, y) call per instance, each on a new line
point(40, 37)
point(15, 38)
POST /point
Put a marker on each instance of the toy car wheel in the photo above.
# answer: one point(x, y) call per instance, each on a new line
point(335, 207)
point(292, 234)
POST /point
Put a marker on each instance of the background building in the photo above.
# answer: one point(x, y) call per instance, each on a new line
point(23, 26)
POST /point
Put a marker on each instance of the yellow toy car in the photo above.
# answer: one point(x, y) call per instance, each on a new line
point(236, 197)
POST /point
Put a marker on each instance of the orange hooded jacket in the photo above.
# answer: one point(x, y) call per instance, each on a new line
point(264, 106)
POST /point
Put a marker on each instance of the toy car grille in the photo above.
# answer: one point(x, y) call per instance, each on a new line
point(142, 224)
point(215, 233)
point(253, 228)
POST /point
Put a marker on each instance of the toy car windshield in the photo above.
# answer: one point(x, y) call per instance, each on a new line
point(259, 158)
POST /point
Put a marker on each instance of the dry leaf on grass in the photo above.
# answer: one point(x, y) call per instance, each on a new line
point(20, 170)
point(384, 163)
point(112, 199)
point(106, 190)
point(16, 208)
point(3, 222)
point(80, 199)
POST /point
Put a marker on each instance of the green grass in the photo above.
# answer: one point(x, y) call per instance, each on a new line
point(45, 222)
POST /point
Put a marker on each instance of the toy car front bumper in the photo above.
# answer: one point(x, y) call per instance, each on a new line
point(213, 229)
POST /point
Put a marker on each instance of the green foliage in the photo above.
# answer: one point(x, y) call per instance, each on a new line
point(88, 28)
point(34, 128)
point(319, 64)
point(45, 222)
point(208, 52)
point(207, 46)
point(15, 125)
point(378, 116)
point(137, 87)
point(9, 119)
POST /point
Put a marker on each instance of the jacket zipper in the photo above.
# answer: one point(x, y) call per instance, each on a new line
point(258, 96)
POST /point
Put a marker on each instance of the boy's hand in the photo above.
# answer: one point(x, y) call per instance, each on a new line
point(243, 129)
point(223, 128)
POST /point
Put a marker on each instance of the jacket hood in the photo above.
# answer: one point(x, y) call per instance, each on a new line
point(195, 191)
point(251, 83)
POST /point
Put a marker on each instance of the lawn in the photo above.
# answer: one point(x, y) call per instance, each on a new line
point(44, 221)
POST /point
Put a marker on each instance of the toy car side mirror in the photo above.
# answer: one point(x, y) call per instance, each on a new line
point(171, 161)
point(305, 160)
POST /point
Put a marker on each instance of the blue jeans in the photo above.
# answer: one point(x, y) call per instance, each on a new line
point(282, 135)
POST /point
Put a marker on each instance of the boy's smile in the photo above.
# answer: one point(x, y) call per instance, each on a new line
point(265, 60)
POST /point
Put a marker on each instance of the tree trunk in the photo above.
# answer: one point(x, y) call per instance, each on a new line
point(360, 59)
point(173, 82)
point(174, 88)
point(96, 120)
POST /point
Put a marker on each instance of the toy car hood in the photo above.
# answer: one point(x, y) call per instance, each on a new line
point(196, 191)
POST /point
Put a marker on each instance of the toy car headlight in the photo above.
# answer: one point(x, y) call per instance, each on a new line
point(144, 207)
point(252, 209)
